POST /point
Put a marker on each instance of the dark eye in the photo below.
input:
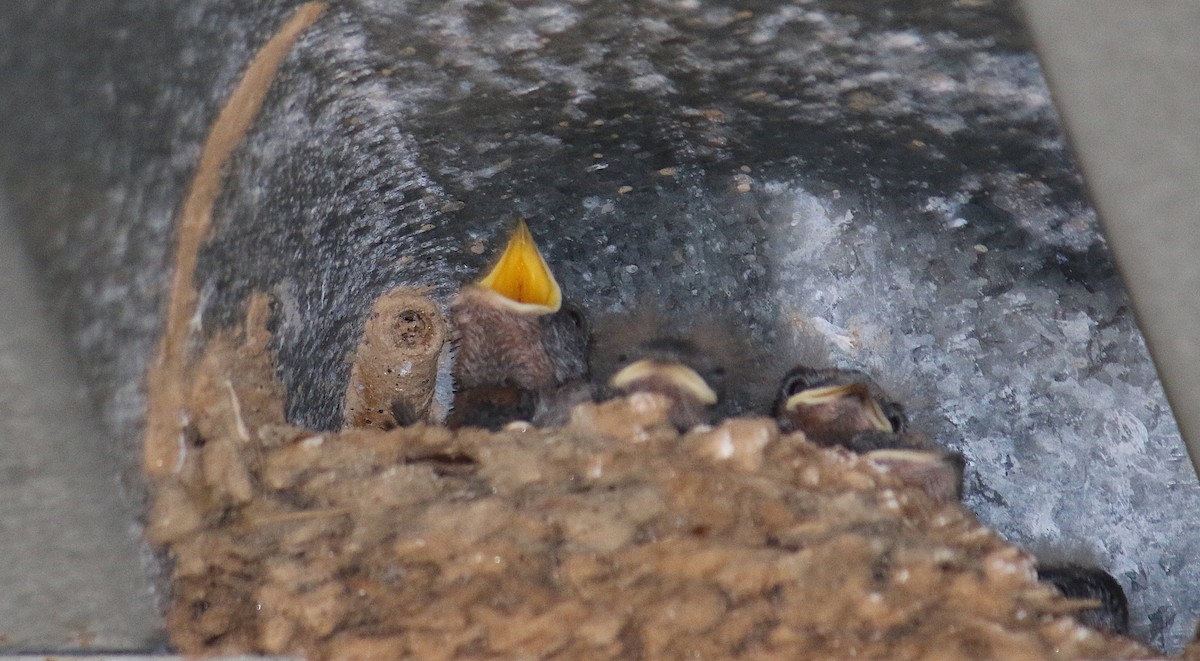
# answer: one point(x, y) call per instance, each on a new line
point(795, 383)
point(718, 371)
point(895, 415)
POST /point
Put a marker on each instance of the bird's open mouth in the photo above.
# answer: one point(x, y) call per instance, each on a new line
point(682, 377)
point(522, 277)
point(830, 394)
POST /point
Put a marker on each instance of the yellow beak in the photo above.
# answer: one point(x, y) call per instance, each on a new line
point(522, 276)
point(829, 394)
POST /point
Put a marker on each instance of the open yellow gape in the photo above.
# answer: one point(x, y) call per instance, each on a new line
point(522, 275)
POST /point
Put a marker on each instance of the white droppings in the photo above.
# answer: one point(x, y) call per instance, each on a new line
point(722, 444)
point(840, 337)
point(651, 82)
point(1128, 433)
point(313, 442)
point(811, 476)
point(906, 40)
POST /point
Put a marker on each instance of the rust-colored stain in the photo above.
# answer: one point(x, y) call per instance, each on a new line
point(167, 407)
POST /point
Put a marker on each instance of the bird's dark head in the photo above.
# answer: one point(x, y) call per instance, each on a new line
point(1111, 610)
point(703, 358)
point(566, 339)
point(835, 403)
point(895, 414)
point(671, 366)
point(939, 474)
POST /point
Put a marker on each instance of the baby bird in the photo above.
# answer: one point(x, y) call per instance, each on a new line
point(516, 340)
point(706, 366)
point(676, 369)
point(847, 408)
point(1111, 612)
point(834, 406)
point(936, 472)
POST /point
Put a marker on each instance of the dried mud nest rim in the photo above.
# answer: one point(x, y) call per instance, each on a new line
point(430, 543)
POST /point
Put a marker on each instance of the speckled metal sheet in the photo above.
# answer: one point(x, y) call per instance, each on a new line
point(887, 186)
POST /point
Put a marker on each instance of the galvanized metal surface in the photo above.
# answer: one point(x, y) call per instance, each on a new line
point(892, 186)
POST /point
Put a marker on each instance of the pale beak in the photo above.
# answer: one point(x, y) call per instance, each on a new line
point(682, 377)
point(830, 394)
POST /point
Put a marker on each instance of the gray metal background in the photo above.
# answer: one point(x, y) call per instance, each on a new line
point(889, 187)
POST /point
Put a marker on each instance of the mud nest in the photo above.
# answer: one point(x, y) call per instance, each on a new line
point(611, 537)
